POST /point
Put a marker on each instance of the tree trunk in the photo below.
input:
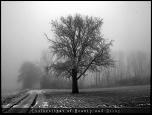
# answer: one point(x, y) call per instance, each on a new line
point(74, 81)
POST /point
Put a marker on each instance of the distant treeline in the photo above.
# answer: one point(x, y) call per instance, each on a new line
point(130, 69)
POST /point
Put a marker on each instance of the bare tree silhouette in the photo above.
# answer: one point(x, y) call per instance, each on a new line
point(29, 75)
point(79, 46)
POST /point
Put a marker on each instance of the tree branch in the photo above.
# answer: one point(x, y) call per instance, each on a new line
point(48, 38)
point(87, 67)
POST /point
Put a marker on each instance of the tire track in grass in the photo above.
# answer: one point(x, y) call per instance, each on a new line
point(14, 103)
point(33, 103)
point(24, 106)
point(12, 97)
point(39, 102)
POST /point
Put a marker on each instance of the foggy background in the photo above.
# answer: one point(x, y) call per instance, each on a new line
point(23, 25)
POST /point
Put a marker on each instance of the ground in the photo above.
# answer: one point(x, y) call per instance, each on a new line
point(118, 97)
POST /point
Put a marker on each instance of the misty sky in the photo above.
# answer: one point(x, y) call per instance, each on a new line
point(23, 25)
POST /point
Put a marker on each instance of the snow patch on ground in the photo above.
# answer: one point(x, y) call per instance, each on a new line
point(6, 106)
point(36, 91)
point(45, 105)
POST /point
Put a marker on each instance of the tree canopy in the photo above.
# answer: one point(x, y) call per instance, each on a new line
point(79, 44)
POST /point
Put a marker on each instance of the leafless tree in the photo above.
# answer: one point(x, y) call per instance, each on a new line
point(29, 75)
point(79, 46)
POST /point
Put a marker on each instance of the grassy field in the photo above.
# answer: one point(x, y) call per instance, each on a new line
point(117, 97)
point(131, 96)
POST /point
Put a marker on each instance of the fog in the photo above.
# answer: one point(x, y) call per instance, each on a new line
point(23, 25)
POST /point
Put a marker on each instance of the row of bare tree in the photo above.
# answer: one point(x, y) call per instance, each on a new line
point(130, 69)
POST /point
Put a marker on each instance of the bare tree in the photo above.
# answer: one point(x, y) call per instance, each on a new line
point(29, 75)
point(79, 46)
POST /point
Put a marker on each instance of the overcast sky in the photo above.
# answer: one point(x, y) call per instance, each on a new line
point(23, 25)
